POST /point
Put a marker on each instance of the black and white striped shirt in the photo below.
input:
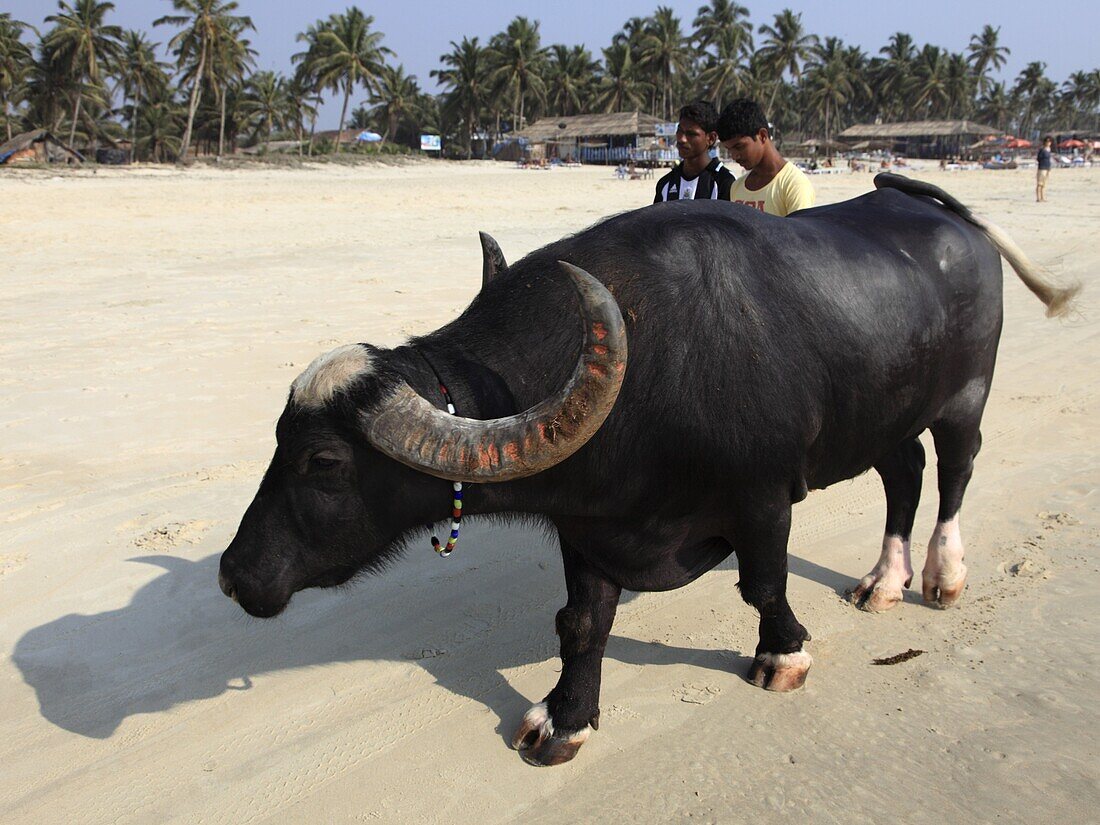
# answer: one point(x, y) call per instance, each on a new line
point(712, 183)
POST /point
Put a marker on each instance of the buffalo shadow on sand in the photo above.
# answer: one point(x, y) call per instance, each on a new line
point(180, 640)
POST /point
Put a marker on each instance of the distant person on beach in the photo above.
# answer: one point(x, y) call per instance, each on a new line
point(1046, 158)
point(773, 184)
point(697, 176)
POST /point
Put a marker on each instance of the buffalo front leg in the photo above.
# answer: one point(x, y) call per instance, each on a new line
point(761, 544)
point(553, 730)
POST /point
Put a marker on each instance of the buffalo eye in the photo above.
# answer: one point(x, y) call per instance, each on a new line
point(323, 461)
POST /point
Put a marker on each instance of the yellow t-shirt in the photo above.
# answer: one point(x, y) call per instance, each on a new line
point(789, 191)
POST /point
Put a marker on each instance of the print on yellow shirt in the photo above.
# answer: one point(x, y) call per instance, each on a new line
point(789, 191)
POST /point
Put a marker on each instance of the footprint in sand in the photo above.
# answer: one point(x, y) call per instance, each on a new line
point(9, 564)
point(173, 534)
point(698, 693)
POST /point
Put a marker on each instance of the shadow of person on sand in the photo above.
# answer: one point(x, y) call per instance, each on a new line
point(180, 640)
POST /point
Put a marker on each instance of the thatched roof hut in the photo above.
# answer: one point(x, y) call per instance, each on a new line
point(599, 138)
point(38, 146)
point(917, 129)
point(920, 138)
point(588, 127)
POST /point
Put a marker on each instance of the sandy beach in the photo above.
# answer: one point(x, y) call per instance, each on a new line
point(151, 321)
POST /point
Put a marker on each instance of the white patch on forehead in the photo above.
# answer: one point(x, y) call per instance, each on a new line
point(328, 374)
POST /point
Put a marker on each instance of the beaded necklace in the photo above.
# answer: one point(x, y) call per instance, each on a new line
point(456, 503)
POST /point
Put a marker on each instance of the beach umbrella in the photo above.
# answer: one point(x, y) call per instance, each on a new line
point(1072, 143)
point(368, 137)
point(1018, 143)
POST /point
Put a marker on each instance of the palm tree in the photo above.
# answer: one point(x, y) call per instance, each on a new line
point(958, 86)
point(664, 53)
point(205, 25)
point(723, 74)
point(986, 53)
point(16, 59)
point(345, 53)
point(619, 88)
point(723, 20)
point(83, 44)
point(569, 78)
point(231, 58)
point(518, 57)
point(139, 75)
point(995, 106)
point(305, 76)
point(160, 123)
point(829, 81)
point(265, 103)
point(1082, 92)
point(929, 81)
point(895, 75)
point(395, 99)
point(300, 107)
point(466, 80)
point(724, 27)
point(786, 48)
point(1030, 87)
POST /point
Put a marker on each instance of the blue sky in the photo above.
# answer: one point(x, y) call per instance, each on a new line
point(1062, 35)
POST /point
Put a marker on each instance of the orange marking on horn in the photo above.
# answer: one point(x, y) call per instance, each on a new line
point(599, 330)
point(599, 349)
point(511, 451)
point(599, 370)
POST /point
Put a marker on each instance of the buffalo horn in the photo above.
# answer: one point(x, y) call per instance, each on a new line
point(409, 429)
point(492, 259)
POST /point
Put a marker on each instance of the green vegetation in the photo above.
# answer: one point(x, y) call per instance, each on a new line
point(84, 78)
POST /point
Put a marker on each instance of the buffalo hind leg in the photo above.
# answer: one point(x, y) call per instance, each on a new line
point(553, 730)
point(901, 473)
point(944, 575)
point(761, 545)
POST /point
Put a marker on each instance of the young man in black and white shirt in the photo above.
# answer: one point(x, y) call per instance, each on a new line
point(697, 176)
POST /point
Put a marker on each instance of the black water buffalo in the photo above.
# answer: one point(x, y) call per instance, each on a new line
point(768, 357)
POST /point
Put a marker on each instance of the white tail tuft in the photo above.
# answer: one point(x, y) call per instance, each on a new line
point(1058, 299)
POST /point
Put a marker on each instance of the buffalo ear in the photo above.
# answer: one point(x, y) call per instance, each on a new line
point(493, 262)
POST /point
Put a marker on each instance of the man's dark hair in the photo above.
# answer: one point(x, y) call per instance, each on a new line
point(742, 118)
point(702, 113)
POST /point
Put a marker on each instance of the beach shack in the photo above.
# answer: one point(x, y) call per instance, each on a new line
point(37, 146)
point(920, 138)
point(605, 138)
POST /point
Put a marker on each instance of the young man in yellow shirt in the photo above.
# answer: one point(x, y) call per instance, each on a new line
point(773, 184)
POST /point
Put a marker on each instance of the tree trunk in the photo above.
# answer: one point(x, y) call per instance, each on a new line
point(196, 93)
point(7, 120)
point(343, 114)
point(221, 123)
point(312, 130)
point(76, 115)
point(469, 135)
point(133, 126)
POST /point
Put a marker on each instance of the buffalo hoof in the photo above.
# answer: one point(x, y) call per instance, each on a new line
point(944, 588)
point(539, 744)
point(877, 594)
point(781, 672)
